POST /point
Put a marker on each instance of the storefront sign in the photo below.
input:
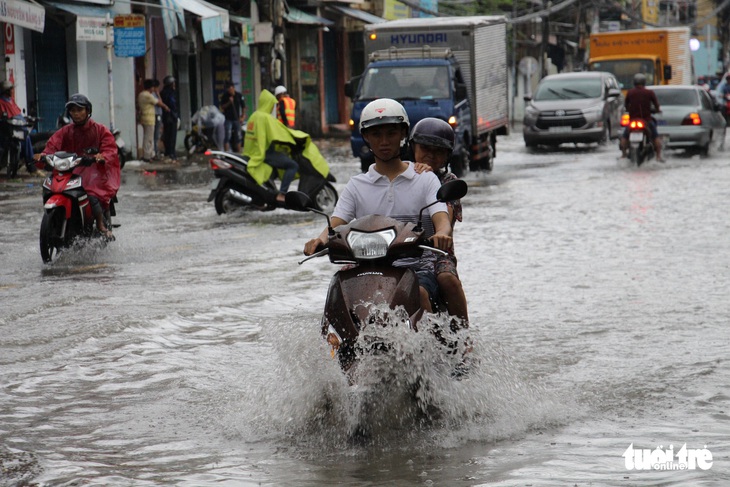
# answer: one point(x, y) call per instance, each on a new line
point(23, 14)
point(129, 36)
point(91, 29)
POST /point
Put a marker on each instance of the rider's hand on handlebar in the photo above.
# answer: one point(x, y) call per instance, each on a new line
point(442, 242)
point(313, 246)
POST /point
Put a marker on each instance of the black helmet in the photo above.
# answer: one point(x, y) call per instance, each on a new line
point(168, 80)
point(433, 132)
point(6, 86)
point(79, 100)
point(639, 79)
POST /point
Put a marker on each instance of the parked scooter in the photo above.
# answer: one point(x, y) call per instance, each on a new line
point(233, 187)
point(12, 137)
point(372, 243)
point(124, 152)
point(67, 213)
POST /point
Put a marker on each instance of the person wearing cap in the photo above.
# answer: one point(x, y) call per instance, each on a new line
point(286, 107)
point(10, 109)
point(102, 179)
point(392, 187)
point(170, 117)
point(233, 107)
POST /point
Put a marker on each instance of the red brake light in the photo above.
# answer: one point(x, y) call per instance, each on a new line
point(637, 125)
point(692, 119)
point(218, 164)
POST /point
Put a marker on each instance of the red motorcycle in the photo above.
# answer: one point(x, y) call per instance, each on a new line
point(68, 218)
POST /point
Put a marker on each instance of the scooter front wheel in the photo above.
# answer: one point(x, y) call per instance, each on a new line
point(50, 235)
point(326, 198)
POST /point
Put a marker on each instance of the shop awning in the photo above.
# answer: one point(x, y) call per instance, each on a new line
point(23, 14)
point(211, 19)
point(83, 10)
point(296, 16)
point(361, 15)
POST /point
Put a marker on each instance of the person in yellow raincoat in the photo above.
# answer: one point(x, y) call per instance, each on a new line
point(269, 144)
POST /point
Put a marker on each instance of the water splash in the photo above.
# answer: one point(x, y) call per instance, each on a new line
point(420, 392)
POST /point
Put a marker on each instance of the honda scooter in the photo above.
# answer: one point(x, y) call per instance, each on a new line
point(67, 213)
point(234, 188)
point(370, 282)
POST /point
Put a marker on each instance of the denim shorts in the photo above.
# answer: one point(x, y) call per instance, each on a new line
point(427, 280)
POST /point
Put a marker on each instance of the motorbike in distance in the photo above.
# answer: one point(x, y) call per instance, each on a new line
point(233, 187)
point(67, 216)
point(13, 132)
point(641, 145)
point(369, 246)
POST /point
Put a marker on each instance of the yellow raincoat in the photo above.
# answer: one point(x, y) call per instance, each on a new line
point(263, 129)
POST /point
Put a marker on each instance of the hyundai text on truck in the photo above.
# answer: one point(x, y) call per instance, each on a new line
point(663, 55)
point(408, 58)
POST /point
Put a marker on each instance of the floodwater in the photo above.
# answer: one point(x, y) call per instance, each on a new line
point(188, 351)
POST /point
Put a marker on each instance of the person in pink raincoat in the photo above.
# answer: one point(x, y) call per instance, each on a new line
point(101, 180)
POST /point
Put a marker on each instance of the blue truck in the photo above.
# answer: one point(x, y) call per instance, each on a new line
point(452, 68)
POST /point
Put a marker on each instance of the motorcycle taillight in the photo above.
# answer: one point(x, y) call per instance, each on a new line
point(218, 164)
point(636, 125)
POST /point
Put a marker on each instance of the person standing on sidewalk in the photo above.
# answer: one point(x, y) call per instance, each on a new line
point(170, 117)
point(234, 108)
point(158, 121)
point(146, 103)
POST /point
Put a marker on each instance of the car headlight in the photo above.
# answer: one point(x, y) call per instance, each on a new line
point(595, 112)
point(370, 245)
point(531, 111)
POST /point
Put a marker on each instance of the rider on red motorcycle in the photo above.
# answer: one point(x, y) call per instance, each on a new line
point(102, 179)
point(640, 103)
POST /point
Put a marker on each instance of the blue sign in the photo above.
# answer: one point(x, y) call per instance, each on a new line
point(129, 36)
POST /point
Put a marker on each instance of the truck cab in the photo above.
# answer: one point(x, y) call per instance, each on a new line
point(428, 83)
point(657, 73)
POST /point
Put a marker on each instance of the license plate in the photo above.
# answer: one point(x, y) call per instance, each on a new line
point(214, 184)
point(19, 134)
point(636, 136)
point(661, 122)
point(561, 128)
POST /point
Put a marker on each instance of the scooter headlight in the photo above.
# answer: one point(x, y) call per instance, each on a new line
point(63, 164)
point(370, 245)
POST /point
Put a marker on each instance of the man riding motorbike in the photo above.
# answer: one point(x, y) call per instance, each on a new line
point(391, 187)
point(101, 180)
point(268, 145)
point(638, 104)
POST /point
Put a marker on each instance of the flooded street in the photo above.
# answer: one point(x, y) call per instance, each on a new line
point(188, 353)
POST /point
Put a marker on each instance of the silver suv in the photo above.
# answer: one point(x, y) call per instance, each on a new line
point(573, 107)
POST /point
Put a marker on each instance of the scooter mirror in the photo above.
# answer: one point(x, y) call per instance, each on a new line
point(298, 201)
point(453, 190)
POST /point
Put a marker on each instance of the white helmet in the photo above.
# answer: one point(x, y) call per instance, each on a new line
point(279, 90)
point(383, 111)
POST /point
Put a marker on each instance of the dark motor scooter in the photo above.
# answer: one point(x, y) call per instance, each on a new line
point(234, 188)
point(372, 243)
point(12, 137)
